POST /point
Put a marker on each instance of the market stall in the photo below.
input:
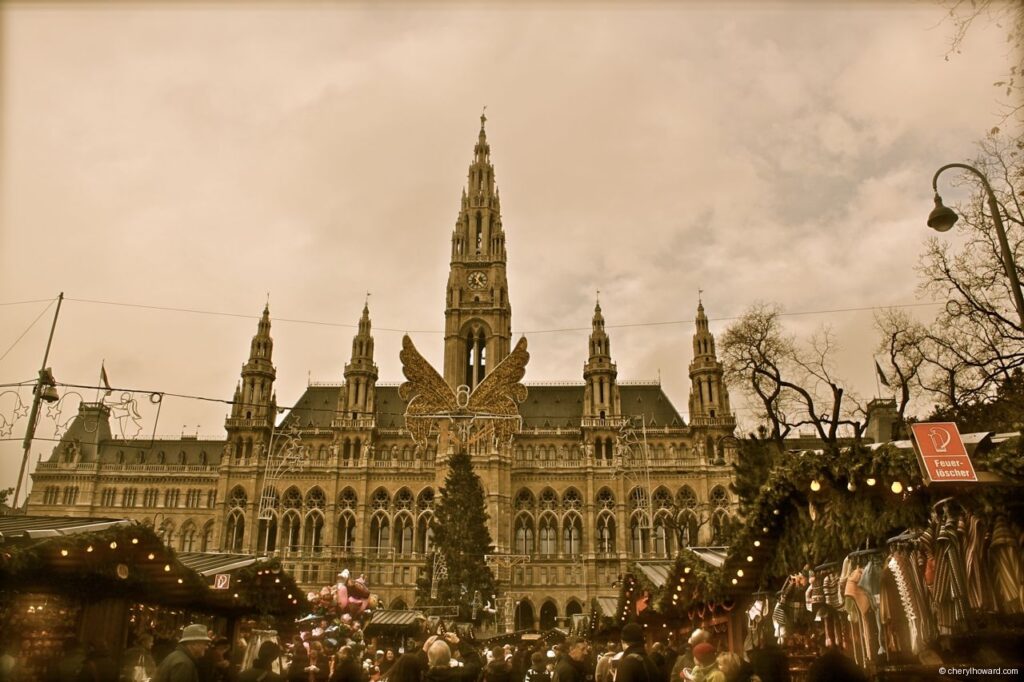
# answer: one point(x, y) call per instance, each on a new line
point(97, 580)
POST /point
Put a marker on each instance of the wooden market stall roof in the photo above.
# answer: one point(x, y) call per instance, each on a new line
point(97, 558)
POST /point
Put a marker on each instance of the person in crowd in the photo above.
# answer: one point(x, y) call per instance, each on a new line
point(300, 661)
point(635, 665)
point(439, 658)
point(99, 665)
point(387, 662)
point(538, 671)
point(569, 668)
point(834, 666)
point(735, 668)
point(497, 670)
point(215, 664)
point(262, 667)
point(9, 664)
point(603, 668)
point(770, 663)
point(685, 660)
point(138, 663)
point(318, 666)
point(705, 664)
point(180, 664)
point(346, 668)
point(406, 668)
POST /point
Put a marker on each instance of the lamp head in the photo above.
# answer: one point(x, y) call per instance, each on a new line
point(942, 218)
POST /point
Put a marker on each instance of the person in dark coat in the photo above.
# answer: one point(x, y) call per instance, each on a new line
point(99, 665)
point(215, 666)
point(347, 669)
point(635, 665)
point(833, 666)
point(180, 664)
point(570, 666)
point(406, 668)
point(262, 667)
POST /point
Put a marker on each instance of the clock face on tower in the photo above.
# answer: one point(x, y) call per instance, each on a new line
point(477, 280)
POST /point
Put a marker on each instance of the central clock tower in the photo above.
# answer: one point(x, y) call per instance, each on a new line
point(478, 316)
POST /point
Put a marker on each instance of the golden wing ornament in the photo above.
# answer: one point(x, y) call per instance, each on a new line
point(497, 397)
point(426, 393)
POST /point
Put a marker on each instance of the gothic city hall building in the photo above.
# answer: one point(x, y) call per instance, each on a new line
point(603, 475)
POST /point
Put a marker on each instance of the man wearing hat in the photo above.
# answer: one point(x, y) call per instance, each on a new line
point(635, 665)
point(705, 663)
point(180, 664)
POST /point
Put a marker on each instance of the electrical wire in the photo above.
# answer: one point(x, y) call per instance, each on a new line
point(624, 325)
point(38, 317)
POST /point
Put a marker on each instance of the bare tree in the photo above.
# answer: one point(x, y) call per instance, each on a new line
point(977, 341)
point(794, 384)
point(903, 345)
point(1007, 15)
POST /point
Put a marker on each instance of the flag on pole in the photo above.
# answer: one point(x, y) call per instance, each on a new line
point(104, 380)
point(881, 375)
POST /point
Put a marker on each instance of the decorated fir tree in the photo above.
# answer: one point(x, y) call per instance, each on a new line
point(462, 540)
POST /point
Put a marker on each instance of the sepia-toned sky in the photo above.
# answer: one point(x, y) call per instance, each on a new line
point(197, 156)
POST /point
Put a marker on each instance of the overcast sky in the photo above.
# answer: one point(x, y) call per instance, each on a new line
point(200, 156)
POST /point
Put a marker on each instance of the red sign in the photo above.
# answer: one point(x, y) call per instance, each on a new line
point(944, 458)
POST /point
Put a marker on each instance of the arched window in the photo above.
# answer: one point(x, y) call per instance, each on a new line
point(548, 535)
point(640, 534)
point(380, 533)
point(425, 500)
point(572, 535)
point(524, 500)
point(292, 499)
point(571, 500)
point(234, 534)
point(313, 532)
point(403, 533)
point(686, 498)
point(424, 534)
point(688, 527)
point(605, 499)
point(403, 499)
point(187, 537)
point(238, 498)
point(267, 538)
point(315, 498)
point(291, 530)
point(206, 540)
point(381, 500)
point(662, 544)
point(347, 499)
point(718, 498)
point(606, 533)
point(346, 531)
point(548, 615)
point(548, 499)
point(524, 534)
point(721, 526)
point(662, 499)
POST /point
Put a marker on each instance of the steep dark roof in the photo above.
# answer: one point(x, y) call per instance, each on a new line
point(316, 408)
point(193, 448)
point(546, 406)
point(651, 402)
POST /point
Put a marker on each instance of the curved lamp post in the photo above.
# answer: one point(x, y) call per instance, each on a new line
point(942, 218)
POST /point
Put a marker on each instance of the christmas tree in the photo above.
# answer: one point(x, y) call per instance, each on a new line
point(461, 540)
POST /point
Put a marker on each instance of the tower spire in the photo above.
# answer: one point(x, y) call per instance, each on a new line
point(254, 407)
point(357, 398)
point(478, 317)
point(601, 393)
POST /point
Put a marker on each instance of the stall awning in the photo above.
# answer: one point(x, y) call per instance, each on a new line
point(656, 572)
point(32, 527)
point(212, 563)
point(398, 617)
point(607, 607)
point(714, 556)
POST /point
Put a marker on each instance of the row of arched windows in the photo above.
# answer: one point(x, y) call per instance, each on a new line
point(189, 538)
point(68, 495)
point(142, 457)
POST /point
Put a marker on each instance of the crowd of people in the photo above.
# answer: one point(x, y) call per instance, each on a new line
point(201, 656)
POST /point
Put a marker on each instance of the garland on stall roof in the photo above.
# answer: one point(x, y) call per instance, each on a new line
point(266, 588)
point(691, 583)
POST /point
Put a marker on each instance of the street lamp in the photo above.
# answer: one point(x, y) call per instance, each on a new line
point(942, 219)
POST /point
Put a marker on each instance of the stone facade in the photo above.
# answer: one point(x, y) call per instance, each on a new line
point(604, 472)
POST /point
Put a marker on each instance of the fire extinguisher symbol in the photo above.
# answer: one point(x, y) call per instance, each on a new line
point(941, 438)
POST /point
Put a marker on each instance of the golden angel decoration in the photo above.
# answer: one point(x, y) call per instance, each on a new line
point(490, 410)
